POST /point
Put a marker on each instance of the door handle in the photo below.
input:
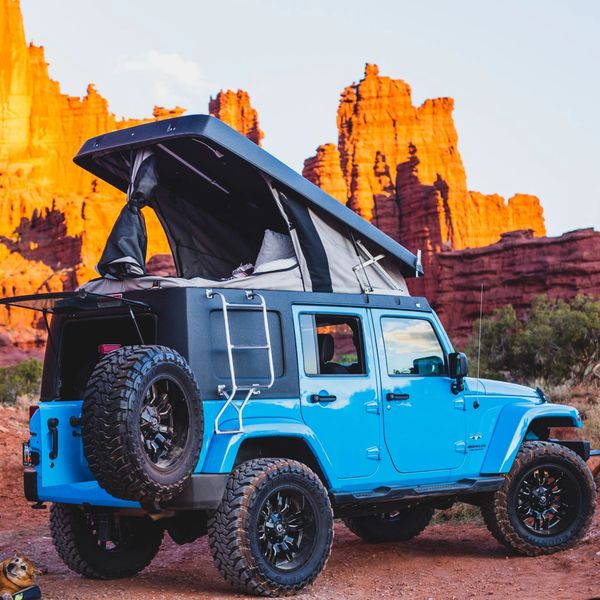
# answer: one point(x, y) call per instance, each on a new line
point(391, 397)
point(314, 398)
point(53, 429)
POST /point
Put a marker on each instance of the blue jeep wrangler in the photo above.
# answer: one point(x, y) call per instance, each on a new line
point(281, 378)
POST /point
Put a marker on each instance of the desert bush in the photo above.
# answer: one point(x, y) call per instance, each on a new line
point(22, 379)
point(554, 342)
point(458, 513)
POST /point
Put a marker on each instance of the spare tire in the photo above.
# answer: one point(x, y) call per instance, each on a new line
point(142, 423)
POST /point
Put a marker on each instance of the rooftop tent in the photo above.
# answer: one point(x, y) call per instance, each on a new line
point(224, 202)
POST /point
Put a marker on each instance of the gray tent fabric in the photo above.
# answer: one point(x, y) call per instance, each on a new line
point(218, 215)
point(125, 252)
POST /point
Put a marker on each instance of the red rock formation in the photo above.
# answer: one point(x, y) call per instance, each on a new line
point(514, 271)
point(54, 217)
point(162, 265)
point(234, 108)
point(324, 170)
point(404, 173)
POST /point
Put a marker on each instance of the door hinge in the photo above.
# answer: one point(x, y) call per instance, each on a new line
point(460, 446)
point(373, 453)
point(459, 404)
point(372, 407)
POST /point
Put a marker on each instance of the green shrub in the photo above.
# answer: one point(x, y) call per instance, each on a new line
point(554, 342)
point(20, 380)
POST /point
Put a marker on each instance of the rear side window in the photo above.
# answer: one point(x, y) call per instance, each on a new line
point(412, 347)
point(332, 345)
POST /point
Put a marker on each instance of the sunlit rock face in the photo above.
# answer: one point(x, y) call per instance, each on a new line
point(392, 152)
point(398, 166)
point(234, 108)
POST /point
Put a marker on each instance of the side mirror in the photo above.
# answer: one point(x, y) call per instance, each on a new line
point(458, 365)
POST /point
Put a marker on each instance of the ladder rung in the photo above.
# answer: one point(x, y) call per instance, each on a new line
point(250, 306)
point(237, 347)
point(254, 386)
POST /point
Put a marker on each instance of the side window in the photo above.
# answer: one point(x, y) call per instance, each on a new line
point(332, 345)
point(411, 347)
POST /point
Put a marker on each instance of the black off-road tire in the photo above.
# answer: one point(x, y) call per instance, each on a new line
point(111, 429)
point(74, 539)
point(399, 526)
point(500, 510)
point(233, 529)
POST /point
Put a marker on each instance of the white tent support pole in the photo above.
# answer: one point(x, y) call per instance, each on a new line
point(293, 235)
point(192, 168)
point(367, 288)
point(374, 260)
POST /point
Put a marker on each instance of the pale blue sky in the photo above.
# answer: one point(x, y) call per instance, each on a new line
point(525, 75)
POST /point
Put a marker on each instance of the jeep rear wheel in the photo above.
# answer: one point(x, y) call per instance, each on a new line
point(273, 532)
point(142, 423)
point(546, 502)
point(103, 545)
point(395, 526)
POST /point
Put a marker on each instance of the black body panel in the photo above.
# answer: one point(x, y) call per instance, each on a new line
point(187, 321)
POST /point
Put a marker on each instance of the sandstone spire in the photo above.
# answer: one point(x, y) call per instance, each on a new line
point(234, 108)
point(402, 170)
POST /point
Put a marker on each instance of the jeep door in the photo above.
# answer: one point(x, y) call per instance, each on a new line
point(338, 386)
point(424, 421)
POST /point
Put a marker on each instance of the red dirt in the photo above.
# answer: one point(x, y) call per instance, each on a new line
point(448, 561)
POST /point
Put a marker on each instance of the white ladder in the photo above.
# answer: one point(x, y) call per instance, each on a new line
point(254, 388)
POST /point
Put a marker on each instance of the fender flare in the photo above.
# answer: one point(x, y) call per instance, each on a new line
point(514, 421)
point(223, 449)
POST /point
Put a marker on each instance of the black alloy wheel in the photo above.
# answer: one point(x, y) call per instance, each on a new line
point(287, 528)
point(164, 422)
point(272, 533)
point(548, 500)
point(546, 503)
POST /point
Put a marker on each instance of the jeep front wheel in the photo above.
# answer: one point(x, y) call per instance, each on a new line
point(273, 532)
point(396, 526)
point(546, 502)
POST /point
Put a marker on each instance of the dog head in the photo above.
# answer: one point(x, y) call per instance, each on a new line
point(19, 570)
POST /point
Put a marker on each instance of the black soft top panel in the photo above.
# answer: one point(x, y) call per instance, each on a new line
point(109, 157)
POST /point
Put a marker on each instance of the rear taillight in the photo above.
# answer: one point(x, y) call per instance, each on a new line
point(32, 410)
point(108, 348)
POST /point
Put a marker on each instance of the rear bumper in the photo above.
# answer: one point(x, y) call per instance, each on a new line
point(204, 491)
point(30, 486)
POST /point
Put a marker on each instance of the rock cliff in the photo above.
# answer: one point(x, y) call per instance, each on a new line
point(513, 271)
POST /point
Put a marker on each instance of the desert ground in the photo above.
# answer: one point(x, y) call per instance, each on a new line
point(450, 560)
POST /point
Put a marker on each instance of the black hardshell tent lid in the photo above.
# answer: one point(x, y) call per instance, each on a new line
point(109, 157)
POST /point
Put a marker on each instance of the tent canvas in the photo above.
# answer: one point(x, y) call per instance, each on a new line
point(216, 193)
